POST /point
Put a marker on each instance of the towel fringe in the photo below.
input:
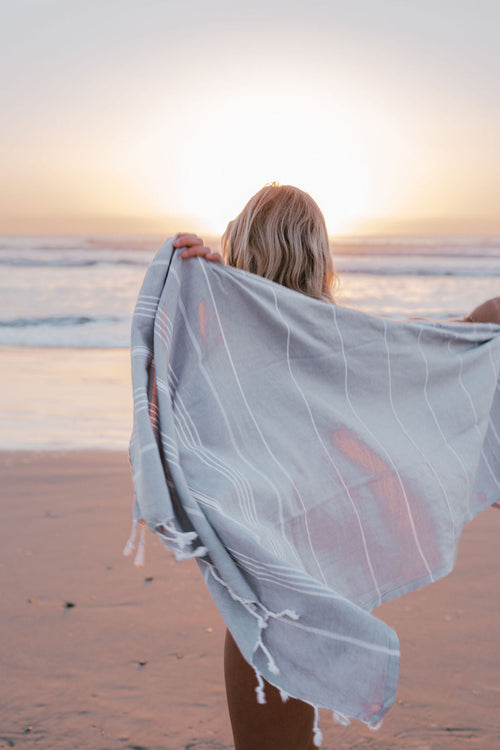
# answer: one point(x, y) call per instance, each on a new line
point(170, 536)
point(260, 689)
point(198, 552)
point(341, 719)
point(174, 536)
point(141, 548)
point(271, 664)
point(130, 545)
point(317, 733)
point(181, 542)
point(255, 609)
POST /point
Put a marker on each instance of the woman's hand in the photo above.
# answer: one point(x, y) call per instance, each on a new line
point(193, 246)
point(488, 312)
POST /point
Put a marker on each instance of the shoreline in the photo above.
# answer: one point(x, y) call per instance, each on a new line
point(65, 398)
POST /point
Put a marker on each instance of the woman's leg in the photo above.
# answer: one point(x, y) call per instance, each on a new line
point(274, 725)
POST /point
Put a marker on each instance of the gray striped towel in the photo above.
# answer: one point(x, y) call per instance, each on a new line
point(315, 460)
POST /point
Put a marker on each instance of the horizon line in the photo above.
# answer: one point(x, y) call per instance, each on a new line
point(153, 227)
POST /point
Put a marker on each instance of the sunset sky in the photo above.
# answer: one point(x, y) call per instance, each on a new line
point(137, 116)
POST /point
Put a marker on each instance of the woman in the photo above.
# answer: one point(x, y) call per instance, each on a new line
point(280, 235)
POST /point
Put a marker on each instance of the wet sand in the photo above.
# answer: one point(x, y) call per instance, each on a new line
point(65, 398)
point(136, 662)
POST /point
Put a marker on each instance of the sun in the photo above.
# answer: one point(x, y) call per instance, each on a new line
point(227, 147)
point(231, 160)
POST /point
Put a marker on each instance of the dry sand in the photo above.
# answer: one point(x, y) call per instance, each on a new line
point(137, 661)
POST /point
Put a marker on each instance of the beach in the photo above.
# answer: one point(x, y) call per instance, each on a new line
point(103, 655)
point(315, 448)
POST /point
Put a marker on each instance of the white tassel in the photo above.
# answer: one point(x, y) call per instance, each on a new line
point(131, 541)
point(284, 696)
point(180, 542)
point(271, 664)
point(259, 690)
point(317, 734)
point(140, 556)
point(341, 719)
point(198, 552)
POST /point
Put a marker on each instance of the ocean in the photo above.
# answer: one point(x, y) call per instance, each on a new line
point(80, 292)
point(63, 300)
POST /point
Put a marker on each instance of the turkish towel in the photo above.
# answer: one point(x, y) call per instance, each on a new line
point(317, 461)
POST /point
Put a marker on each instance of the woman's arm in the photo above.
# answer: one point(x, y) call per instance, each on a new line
point(488, 312)
point(193, 246)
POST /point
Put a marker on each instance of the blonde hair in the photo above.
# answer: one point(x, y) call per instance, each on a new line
point(281, 235)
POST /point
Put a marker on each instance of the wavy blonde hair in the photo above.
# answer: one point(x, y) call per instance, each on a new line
point(281, 235)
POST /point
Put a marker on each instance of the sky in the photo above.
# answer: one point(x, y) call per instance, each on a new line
point(155, 116)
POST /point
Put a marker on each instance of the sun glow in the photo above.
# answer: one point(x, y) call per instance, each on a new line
point(239, 144)
point(232, 160)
